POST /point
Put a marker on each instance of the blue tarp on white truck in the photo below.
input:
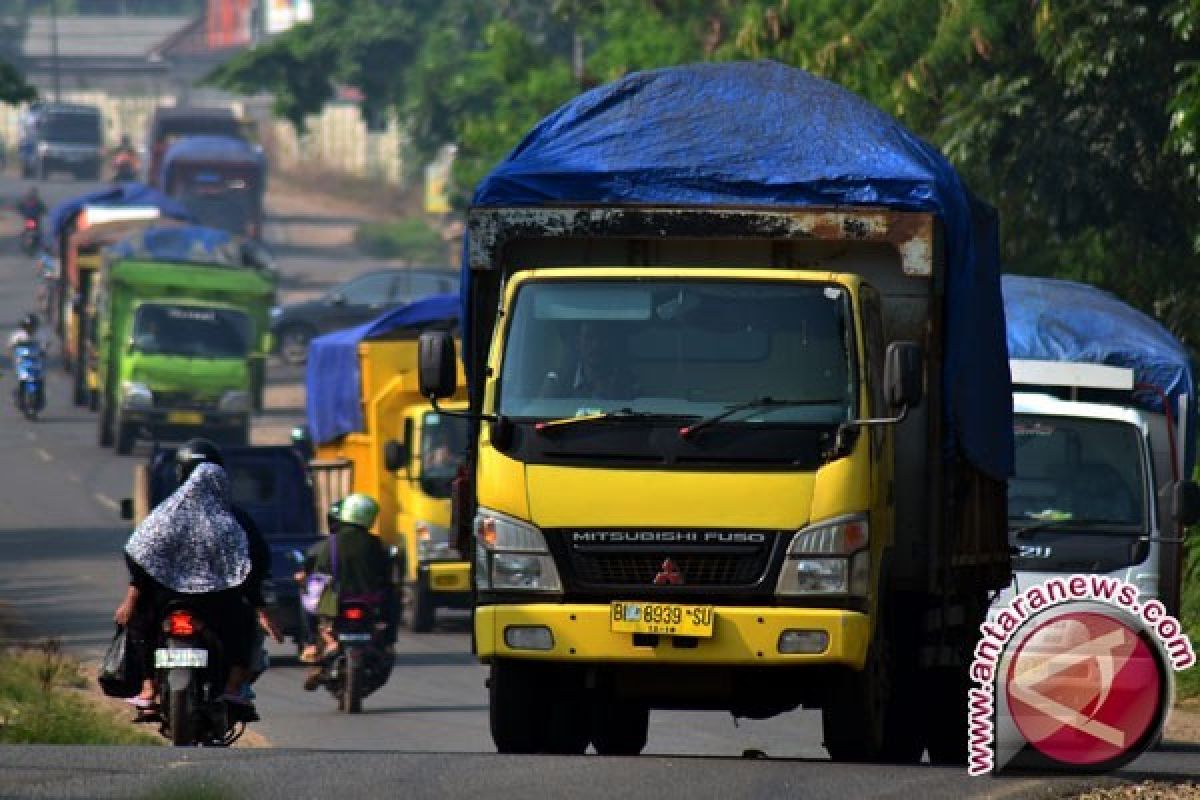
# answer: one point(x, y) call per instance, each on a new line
point(762, 134)
point(332, 378)
point(1057, 320)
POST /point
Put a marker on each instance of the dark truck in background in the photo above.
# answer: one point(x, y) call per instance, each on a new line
point(271, 484)
point(62, 137)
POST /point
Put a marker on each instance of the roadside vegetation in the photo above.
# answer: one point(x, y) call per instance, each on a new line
point(411, 240)
point(43, 701)
point(1188, 682)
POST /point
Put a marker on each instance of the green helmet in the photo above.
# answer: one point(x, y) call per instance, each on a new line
point(358, 509)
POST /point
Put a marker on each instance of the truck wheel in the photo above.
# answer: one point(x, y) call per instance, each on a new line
point(293, 343)
point(517, 709)
point(126, 436)
point(570, 728)
point(873, 715)
point(104, 425)
point(421, 611)
point(93, 402)
point(946, 720)
point(620, 729)
point(80, 393)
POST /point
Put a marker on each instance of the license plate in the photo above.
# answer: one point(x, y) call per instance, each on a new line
point(664, 618)
point(180, 657)
point(354, 637)
point(185, 418)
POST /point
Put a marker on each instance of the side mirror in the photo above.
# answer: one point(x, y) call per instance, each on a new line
point(302, 442)
point(904, 375)
point(1187, 502)
point(436, 364)
point(395, 455)
point(126, 508)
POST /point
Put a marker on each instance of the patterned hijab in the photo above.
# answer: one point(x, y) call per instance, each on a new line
point(191, 542)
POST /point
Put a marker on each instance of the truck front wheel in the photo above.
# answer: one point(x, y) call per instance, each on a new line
point(421, 609)
point(873, 715)
point(104, 425)
point(517, 707)
point(126, 436)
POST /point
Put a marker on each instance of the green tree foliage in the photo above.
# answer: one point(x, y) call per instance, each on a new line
point(13, 88)
point(1078, 119)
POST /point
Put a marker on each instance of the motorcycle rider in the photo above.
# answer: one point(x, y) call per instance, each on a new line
point(31, 206)
point(361, 569)
point(124, 157)
point(26, 333)
point(197, 544)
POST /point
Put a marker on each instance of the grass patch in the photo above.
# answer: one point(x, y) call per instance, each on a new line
point(41, 702)
point(411, 239)
point(1187, 683)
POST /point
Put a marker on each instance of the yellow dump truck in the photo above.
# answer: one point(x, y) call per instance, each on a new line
point(734, 344)
point(364, 408)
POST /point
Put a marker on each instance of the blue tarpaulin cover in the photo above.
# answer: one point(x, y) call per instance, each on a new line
point(123, 196)
point(332, 379)
point(215, 149)
point(190, 244)
point(762, 134)
point(1057, 320)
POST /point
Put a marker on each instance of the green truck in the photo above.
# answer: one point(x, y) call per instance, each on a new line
point(180, 341)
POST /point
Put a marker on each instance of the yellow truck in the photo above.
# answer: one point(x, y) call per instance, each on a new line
point(734, 349)
point(364, 408)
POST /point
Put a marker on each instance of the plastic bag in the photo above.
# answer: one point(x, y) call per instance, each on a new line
point(314, 587)
point(118, 676)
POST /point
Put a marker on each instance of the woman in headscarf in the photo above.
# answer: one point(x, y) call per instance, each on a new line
point(192, 546)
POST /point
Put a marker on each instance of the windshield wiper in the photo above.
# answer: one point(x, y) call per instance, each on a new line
point(757, 402)
point(620, 413)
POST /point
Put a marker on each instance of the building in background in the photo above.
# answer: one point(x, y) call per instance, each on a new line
point(280, 15)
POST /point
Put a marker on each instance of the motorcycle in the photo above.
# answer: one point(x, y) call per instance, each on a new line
point(30, 392)
point(125, 167)
point(191, 671)
point(361, 664)
point(31, 236)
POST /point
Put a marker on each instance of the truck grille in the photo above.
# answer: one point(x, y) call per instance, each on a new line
point(699, 563)
point(184, 400)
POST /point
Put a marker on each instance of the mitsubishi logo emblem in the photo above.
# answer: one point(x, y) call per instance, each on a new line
point(668, 574)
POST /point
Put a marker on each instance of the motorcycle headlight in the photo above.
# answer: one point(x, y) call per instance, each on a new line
point(136, 395)
point(830, 558)
point(433, 542)
point(236, 400)
point(511, 555)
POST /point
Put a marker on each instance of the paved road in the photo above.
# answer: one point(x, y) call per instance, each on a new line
point(60, 539)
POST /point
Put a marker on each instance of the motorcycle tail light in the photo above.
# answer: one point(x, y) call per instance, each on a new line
point(354, 614)
point(30, 224)
point(181, 623)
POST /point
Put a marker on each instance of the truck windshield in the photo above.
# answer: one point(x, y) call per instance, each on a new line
point(443, 440)
point(687, 348)
point(191, 331)
point(1078, 473)
point(72, 128)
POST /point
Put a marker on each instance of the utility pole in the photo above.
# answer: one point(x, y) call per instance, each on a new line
point(54, 49)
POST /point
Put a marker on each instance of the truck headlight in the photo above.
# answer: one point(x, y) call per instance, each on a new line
point(236, 401)
point(136, 395)
point(831, 557)
point(433, 542)
point(511, 555)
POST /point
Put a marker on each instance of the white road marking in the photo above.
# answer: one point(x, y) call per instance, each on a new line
point(107, 502)
point(73, 478)
point(44, 455)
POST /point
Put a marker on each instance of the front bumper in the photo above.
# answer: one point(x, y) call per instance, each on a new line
point(742, 636)
point(166, 423)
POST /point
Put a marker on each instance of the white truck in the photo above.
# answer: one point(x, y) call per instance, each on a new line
point(1103, 453)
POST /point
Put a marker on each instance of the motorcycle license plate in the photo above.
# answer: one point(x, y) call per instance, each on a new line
point(180, 657)
point(354, 637)
point(664, 618)
point(185, 418)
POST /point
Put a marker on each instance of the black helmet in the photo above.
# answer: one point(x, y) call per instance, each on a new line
point(30, 323)
point(192, 454)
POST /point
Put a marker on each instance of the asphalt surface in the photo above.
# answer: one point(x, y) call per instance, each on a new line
point(60, 568)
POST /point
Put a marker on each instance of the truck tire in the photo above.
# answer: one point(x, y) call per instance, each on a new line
point(93, 403)
point(873, 715)
point(79, 386)
point(422, 611)
point(125, 437)
point(946, 720)
point(620, 729)
point(517, 709)
point(104, 425)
